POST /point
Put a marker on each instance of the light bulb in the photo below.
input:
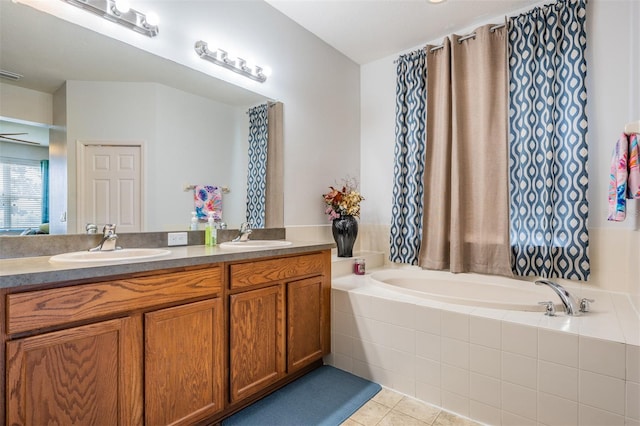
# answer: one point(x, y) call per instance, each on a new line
point(267, 71)
point(152, 19)
point(122, 6)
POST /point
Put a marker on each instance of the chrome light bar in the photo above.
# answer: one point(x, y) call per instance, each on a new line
point(239, 65)
point(130, 18)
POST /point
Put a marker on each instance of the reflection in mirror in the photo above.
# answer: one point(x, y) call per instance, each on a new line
point(92, 92)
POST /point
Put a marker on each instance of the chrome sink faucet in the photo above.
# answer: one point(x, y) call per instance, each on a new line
point(109, 238)
point(569, 302)
point(245, 231)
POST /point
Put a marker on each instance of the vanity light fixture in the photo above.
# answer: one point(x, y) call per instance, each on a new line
point(118, 11)
point(239, 65)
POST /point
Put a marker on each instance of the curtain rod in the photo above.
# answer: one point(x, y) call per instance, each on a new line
point(466, 37)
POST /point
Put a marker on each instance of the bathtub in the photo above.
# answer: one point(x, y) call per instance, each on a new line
point(480, 347)
point(496, 293)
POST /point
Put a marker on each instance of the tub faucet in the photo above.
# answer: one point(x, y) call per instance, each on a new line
point(245, 231)
point(567, 299)
point(109, 238)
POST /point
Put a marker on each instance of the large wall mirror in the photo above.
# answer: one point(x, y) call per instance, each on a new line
point(191, 128)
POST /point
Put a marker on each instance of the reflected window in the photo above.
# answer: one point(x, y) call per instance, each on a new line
point(21, 193)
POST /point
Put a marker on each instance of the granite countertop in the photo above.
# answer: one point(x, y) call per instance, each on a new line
point(27, 271)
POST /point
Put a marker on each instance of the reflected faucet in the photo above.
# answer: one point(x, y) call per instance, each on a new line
point(567, 299)
point(109, 238)
point(245, 231)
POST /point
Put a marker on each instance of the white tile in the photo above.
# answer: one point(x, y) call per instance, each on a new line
point(485, 389)
point(485, 361)
point(558, 347)
point(342, 344)
point(520, 339)
point(519, 370)
point(370, 353)
point(427, 319)
point(555, 411)
point(602, 357)
point(455, 403)
point(485, 413)
point(604, 392)
point(558, 380)
point(428, 393)
point(428, 371)
point(485, 332)
point(373, 331)
point(403, 339)
point(510, 419)
point(402, 363)
point(603, 326)
point(343, 323)
point(393, 312)
point(404, 384)
point(455, 352)
point(428, 345)
point(455, 325)
point(342, 362)
point(590, 416)
point(633, 363)
point(631, 422)
point(455, 380)
point(361, 304)
point(341, 301)
point(633, 401)
point(519, 400)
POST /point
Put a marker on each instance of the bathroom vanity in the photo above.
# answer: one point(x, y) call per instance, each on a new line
point(187, 339)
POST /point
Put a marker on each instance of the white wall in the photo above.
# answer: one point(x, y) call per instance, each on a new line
point(613, 97)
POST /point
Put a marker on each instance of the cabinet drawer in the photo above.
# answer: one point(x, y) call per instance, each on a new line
point(46, 308)
point(265, 271)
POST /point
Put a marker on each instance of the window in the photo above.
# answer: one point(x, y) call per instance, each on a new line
point(20, 193)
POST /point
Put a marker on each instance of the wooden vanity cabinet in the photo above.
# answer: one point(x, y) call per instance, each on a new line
point(279, 319)
point(144, 350)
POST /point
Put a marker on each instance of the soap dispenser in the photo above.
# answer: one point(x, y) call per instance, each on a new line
point(210, 232)
point(194, 222)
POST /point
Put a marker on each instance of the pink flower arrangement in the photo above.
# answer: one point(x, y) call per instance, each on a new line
point(344, 201)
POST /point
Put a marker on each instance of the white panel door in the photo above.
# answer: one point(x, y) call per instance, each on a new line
point(110, 187)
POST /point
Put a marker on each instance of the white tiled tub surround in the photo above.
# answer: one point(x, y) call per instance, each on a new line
point(496, 367)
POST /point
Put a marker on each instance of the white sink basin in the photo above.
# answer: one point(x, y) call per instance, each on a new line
point(255, 244)
point(109, 256)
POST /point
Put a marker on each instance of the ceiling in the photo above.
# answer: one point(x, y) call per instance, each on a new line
point(367, 30)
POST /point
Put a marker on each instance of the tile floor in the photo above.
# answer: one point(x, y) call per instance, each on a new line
point(389, 408)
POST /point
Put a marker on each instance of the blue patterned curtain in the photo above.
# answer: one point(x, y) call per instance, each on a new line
point(408, 170)
point(44, 169)
point(257, 175)
point(547, 141)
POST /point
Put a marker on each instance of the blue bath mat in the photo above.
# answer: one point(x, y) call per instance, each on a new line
point(326, 396)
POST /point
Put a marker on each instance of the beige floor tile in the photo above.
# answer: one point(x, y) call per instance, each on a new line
point(396, 418)
point(388, 397)
point(370, 413)
point(448, 419)
point(417, 409)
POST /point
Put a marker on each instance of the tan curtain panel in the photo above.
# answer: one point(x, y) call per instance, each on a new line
point(466, 209)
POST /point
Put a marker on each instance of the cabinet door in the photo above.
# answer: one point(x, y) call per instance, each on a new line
point(86, 375)
point(306, 321)
point(256, 340)
point(184, 367)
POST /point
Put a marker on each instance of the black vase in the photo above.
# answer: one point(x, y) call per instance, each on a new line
point(345, 231)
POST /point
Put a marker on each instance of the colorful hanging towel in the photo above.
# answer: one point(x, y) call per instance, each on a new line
point(208, 199)
point(618, 180)
point(633, 180)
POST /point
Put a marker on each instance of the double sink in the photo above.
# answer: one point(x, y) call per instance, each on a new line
point(152, 253)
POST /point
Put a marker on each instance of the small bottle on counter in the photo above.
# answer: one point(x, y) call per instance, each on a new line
point(194, 222)
point(210, 232)
point(358, 266)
